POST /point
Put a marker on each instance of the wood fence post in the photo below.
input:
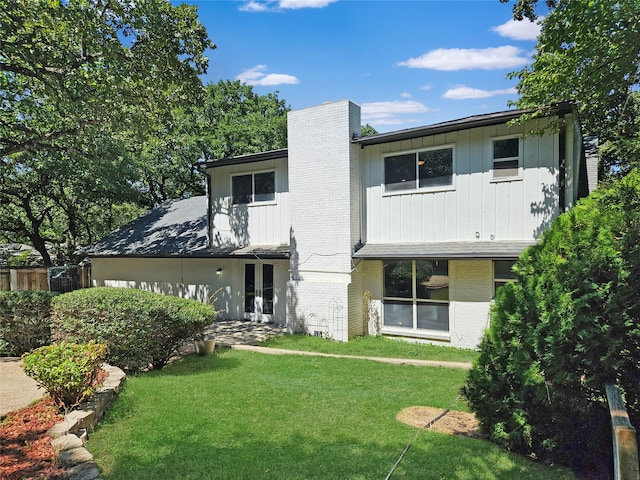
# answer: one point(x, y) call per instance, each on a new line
point(625, 447)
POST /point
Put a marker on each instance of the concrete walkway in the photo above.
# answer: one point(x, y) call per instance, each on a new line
point(17, 390)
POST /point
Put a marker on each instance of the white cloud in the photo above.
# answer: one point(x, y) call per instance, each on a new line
point(451, 59)
point(256, 76)
point(426, 87)
point(269, 5)
point(519, 30)
point(463, 93)
point(386, 113)
point(405, 95)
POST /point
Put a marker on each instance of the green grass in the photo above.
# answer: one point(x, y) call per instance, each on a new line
point(371, 346)
point(245, 415)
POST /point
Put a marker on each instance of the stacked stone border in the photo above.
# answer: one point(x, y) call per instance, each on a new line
point(70, 434)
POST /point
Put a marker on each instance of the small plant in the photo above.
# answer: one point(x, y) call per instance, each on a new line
point(25, 319)
point(67, 371)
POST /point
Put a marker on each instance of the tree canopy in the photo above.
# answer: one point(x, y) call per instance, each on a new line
point(103, 115)
point(588, 52)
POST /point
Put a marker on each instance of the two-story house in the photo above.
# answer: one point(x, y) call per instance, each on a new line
point(407, 233)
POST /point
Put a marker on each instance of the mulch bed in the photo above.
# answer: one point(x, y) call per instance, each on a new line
point(25, 447)
point(462, 424)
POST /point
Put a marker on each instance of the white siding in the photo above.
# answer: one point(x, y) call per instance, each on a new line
point(477, 206)
point(192, 278)
point(253, 224)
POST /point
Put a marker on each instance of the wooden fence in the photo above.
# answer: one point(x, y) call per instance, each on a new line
point(625, 447)
point(43, 279)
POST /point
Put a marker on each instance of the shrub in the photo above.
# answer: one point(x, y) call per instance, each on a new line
point(67, 371)
point(140, 328)
point(24, 321)
point(567, 328)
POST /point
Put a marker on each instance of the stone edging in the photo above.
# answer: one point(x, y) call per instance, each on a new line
point(70, 434)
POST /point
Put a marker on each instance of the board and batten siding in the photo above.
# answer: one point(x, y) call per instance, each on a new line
point(253, 224)
point(476, 206)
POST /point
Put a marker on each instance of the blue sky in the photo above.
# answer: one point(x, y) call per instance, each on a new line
point(406, 63)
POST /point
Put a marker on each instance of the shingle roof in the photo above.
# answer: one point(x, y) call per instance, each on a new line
point(469, 250)
point(175, 229)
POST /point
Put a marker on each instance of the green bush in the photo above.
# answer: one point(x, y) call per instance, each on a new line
point(24, 321)
point(67, 371)
point(140, 328)
point(567, 328)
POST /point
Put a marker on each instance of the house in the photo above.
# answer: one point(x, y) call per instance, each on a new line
point(406, 234)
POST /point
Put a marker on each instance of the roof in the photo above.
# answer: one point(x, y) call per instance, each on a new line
point(452, 250)
point(175, 229)
point(454, 125)
point(250, 158)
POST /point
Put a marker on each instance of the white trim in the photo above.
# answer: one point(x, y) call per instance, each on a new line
point(520, 157)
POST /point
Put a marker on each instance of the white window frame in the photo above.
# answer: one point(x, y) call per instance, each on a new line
point(414, 331)
point(519, 158)
point(418, 189)
point(253, 174)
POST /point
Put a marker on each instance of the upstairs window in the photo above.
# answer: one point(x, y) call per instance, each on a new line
point(506, 157)
point(253, 188)
point(423, 169)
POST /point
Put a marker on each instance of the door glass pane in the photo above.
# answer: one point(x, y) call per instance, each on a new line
point(241, 189)
point(267, 289)
point(433, 317)
point(432, 279)
point(398, 313)
point(400, 172)
point(397, 279)
point(249, 288)
point(265, 187)
point(435, 167)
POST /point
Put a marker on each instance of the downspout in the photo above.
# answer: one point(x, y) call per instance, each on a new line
point(208, 193)
point(562, 171)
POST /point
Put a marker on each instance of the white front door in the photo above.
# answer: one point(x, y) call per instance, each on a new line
point(258, 292)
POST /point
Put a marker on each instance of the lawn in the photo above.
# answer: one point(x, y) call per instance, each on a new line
point(371, 346)
point(246, 415)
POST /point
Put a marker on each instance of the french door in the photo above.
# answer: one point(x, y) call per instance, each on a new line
point(258, 292)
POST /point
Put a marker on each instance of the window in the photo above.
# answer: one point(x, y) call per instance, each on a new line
point(254, 187)
point(416, 295)
point(424, 169)
point(506, 157)
point(503, 273)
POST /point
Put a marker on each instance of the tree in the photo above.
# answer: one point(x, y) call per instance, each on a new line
point(367, 130)
point(588, 52)
point(82, 84)
point(569, 326)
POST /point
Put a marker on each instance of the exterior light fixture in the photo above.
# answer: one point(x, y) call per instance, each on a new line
point(219, 271)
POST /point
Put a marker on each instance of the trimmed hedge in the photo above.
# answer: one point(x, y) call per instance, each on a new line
point(569, 326)
point(25, 319)
point(67, 371)
point(140, 329)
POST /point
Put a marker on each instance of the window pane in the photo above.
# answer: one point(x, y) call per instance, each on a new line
point(398, 314)
point(241, 189)
point(432, 279)
point(265, 187)
point(435, 167)
point(433, 317)
point(507, 148)
point(397, 279)
point(249, 288)
point(400, 172)
point(267, 288)
point(502, 270)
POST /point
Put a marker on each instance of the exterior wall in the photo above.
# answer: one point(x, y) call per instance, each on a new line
point(190, 278)
point(470, 295)
point(477, 207)
point(324, 187)
point(253, 224)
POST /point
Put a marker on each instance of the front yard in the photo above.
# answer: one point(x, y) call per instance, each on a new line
point(244, 415)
